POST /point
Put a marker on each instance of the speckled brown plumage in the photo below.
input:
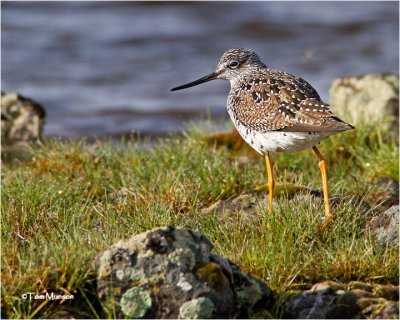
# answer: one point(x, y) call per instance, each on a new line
point(275, 100)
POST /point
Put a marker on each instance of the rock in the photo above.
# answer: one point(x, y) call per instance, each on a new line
point(327, 285)
point(385, 192)
point(249, 205)
point(3, 313)
point(377, 309)
point(22, 121)
point(366, 302)
point(250, 202)
point(385, 227)
point(328, 300)
point(360, 293)
point(388, 292)
point(321, 305)
point(366, 98)
point(135, 302)
point(201, 308)
point(171, 273)
point(246, 205)
point(360, 285)
point(389, 311)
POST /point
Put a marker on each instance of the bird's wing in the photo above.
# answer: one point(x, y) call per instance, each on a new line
point(283, 102)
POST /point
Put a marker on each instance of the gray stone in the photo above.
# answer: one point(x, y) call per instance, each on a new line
point(22, 121)
point(135, 302)
point(201, 308)
point(328, 300)
point(314, 305)
point(171, 273)
point(367, 98)
point(385, 227)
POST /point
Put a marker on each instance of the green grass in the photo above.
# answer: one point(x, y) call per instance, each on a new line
point(75, 199)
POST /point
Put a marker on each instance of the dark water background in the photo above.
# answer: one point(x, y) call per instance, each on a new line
point(105, 68)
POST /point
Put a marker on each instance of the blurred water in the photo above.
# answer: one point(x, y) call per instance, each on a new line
point(105, 68)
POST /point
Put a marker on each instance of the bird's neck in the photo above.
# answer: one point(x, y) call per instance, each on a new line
point(249, 73)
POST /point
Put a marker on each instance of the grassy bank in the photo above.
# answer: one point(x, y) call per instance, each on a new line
point(75, 199)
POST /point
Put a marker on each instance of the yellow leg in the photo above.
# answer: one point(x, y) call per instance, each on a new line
point(322, 167)
point(271, 182)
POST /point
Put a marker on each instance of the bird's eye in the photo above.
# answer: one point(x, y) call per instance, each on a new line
point(233, 64)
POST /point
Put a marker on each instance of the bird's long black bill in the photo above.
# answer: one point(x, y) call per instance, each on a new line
point(210, 77)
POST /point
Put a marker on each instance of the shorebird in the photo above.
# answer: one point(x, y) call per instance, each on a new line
point(275, 112)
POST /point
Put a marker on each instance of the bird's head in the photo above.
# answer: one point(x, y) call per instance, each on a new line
point(232, 64)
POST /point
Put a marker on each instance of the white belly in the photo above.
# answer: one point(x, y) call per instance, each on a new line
point(279, 141)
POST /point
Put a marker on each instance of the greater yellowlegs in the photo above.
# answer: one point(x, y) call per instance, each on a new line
point(275, 111)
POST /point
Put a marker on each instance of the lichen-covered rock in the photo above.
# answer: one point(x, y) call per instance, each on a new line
point(385, 226)
point(201, 308)
point(135, 302)
point(22, 121)
point(172, 273)
point(21, 118)
point(332, 300)
point(367, 98)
